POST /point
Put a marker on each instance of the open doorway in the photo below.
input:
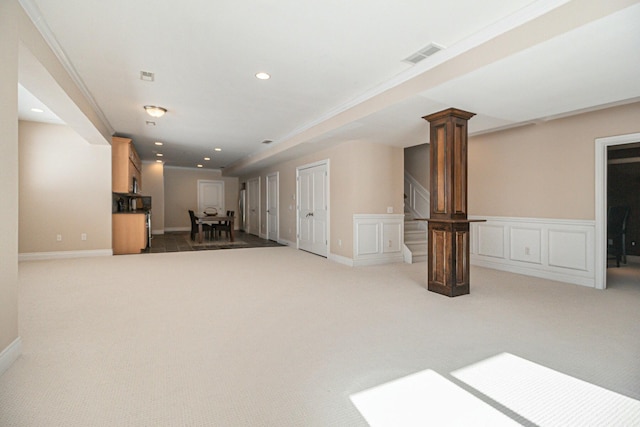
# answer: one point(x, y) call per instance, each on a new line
point(603, 148)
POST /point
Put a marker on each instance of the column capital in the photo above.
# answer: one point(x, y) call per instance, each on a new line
point(461, 114)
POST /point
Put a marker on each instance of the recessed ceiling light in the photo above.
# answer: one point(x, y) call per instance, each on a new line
point(158, 161)
point(37, 110)
point(263, 76)
point(158, 143)
point(217, 149)
point(207, 158)
point(150, 123)
point(200, 166)
point(159, 154)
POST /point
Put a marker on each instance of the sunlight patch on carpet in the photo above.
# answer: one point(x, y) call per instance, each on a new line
point(547, 397)
point(425, 399)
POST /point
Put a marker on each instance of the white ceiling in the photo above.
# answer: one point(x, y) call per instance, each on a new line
point(336, 67)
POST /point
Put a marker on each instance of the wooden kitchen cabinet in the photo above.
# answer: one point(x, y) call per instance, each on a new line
point(125, 166)
point(129, 233)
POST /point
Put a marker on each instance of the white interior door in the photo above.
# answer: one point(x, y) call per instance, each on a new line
point(210, 195)
point(253, 206)
point(272, 206)
point(312, 209)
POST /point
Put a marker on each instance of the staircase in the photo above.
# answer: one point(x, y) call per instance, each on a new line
point(416, 205)
point(415, 239)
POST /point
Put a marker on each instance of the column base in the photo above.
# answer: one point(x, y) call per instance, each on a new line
point(448, 259)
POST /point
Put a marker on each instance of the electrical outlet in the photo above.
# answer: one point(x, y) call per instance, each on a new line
point(389, 209)
point(59, 238)
point(390, 243)
point(340, 242)
point(527, 251)
point(83, 236)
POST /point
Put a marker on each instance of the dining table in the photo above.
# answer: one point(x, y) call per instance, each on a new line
point(213, 220)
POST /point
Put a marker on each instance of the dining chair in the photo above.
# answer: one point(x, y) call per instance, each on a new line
point(225, 225)
point(206, 228)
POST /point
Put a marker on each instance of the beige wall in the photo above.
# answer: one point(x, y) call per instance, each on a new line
point(546, 170)
point(364, 178)
point(181, 193)
point(8, 172)
point(67, 179)
point(19, 37)
point(416, 163)
point(153, 185)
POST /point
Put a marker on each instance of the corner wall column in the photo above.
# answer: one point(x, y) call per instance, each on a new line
point(448, 255)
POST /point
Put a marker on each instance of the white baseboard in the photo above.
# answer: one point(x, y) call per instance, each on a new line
point(340, 259)
point(543, 274)
point(37, 256)
point(287, 243)
point(378, 261)
point(169, 229)
point(10, 355)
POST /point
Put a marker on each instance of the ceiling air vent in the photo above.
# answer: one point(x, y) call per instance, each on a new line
point(424, 53)
point(147, 76)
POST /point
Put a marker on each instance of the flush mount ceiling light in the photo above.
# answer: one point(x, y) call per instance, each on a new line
point(158, 143)
point(199, 166)
point(263, 76)
point(217, 149)
point(154, 111)
point(207, 158)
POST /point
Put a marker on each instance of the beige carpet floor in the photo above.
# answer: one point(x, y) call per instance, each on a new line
point(279, 337)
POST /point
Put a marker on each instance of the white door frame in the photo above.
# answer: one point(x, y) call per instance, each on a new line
point(601, 202)
point(257, 208)
point(324, 162)
point(276, 176)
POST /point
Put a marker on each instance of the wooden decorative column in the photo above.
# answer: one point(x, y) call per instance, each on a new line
point(448, 255)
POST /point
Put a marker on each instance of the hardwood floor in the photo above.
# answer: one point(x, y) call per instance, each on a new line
point(180, 241)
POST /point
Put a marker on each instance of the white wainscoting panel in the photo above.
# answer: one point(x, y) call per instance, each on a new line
point(525, 244)
point(391, 240)
point(555, 249)
point(568, 249)
point(377, 238)
point(491, 240)
point(369, 238)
